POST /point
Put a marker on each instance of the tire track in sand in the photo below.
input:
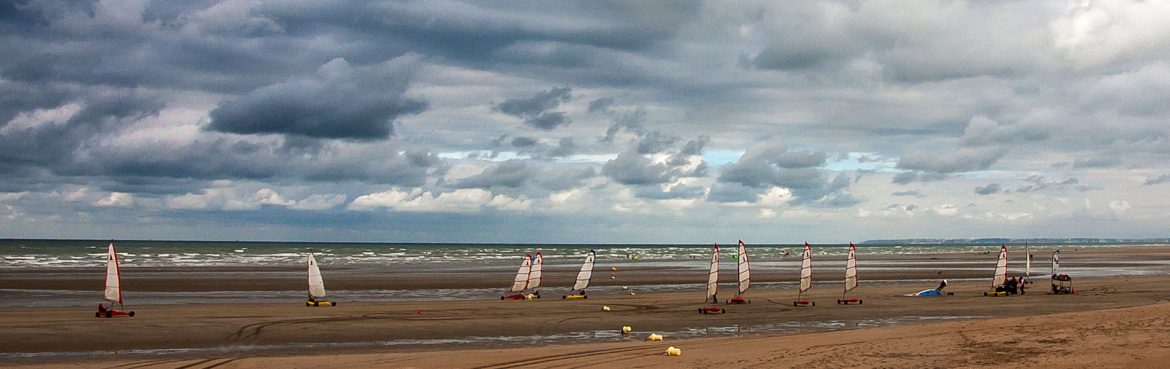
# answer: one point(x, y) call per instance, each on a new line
point(549, 361)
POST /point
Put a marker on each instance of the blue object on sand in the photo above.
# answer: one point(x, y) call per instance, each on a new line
point(930, 292)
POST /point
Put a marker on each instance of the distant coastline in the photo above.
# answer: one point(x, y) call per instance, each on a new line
point(969, 241)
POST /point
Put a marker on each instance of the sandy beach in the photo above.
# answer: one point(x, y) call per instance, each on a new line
point(1111, 322)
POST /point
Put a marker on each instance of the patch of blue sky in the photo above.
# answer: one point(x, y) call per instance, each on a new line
point(719, 158)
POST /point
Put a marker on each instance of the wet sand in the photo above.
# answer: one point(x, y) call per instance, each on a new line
point(1111, 322)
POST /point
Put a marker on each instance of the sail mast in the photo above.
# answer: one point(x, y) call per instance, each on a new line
point(851, 269)
point(1055, 263)
point(806, 269)
point(713, 276)
point(1000, 268)
point(535, 274)
point(745, 274)
point(113, 290)
point(1027, 261)
point(520, 283)
point(586, 271)
point(316, 282)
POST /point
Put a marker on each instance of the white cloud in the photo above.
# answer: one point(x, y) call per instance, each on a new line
point(228, 199)
point(385, 199)
point(10, 196)
point(10, 213)
point(266, 196)
point(1120, 206)
point(946, 210)
point(504, 202)
point(457, 201)
point(1097, 33)
point(35, 118)
point(807, 111)
point(116, 199)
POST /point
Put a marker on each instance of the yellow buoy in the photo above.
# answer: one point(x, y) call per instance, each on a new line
point(605, 308)
point(626, 329)
point(654, 337)
point(673, 351)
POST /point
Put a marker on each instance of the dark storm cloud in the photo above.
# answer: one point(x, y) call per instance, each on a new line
point(916, 176)
point(1038, 183)
point(794, 55)
point(824, 38)
point(565, 147)
point(523, 142)
point(535, 110)
point(1105, 160)
point(1157, 180)
point(511, 174)
point(632, 121)
point(601, 105)
point(528, 177)
point(160, 45)
point(52, 145)
point(962, 160)
point(152, 185)
point(695, 146)
point(476, 32)
point(991, 188)
point(819, 193)
point(535, 148)
point(535, 105)
point(982, 131)
point(342, 102)
point(560, 178)
point(239, 47)
point(17, 97)
point(655, 142)
point(548, 121)
point(632, 168)
point(767, 165)
point(208, 159)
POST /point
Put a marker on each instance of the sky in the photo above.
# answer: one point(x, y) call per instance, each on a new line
point(584, 121)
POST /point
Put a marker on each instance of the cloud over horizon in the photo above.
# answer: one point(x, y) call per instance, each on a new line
point(701, 121)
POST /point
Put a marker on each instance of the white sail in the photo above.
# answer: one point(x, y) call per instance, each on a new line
point(745, 272)
point(521, 281)
point(851, 268)
point(713, 277)
point(1027, 261)
point(534, 275)
point(586, 271)
point(1000, 267)
point(316, 284)
point(113, 277)
point(806, 269)
point(1055, 263)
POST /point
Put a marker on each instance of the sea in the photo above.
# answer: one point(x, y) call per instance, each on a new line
point(65, 256)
